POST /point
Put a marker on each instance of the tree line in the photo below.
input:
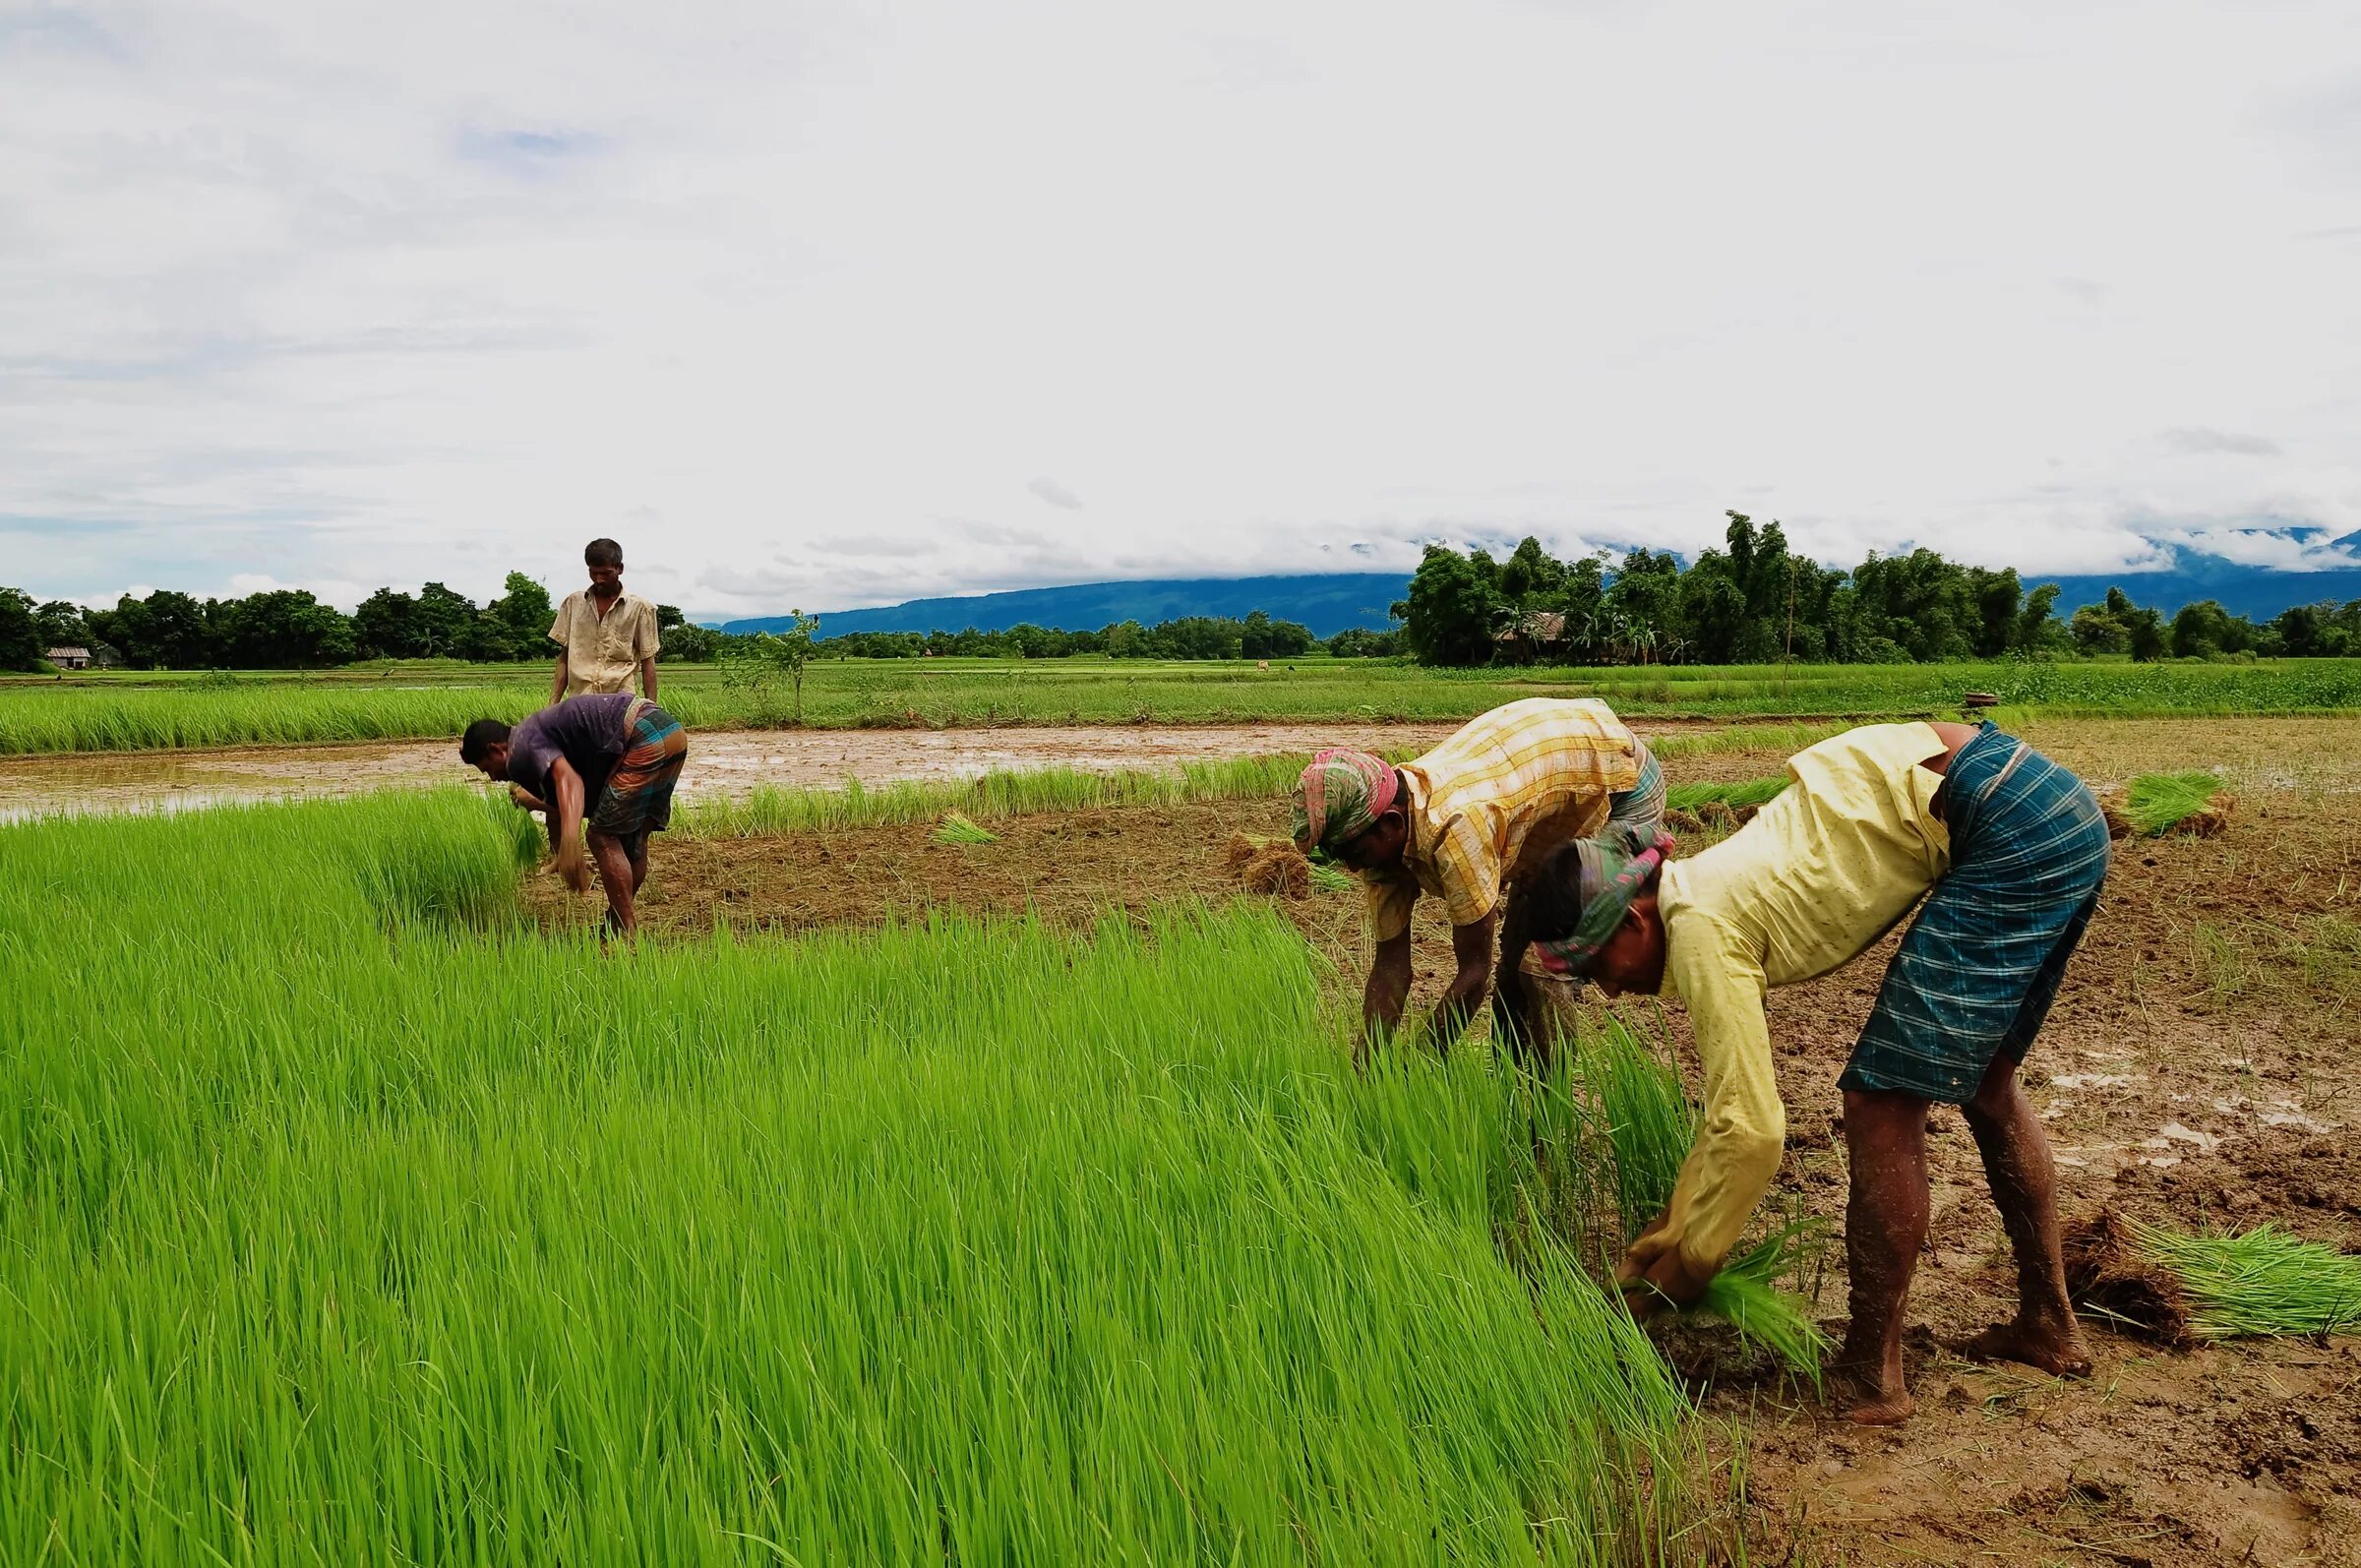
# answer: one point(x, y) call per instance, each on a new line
point(1753, 601)
point(288, 629)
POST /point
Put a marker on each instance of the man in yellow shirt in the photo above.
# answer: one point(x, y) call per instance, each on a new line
point(1463, 823)
point(2013, 850)
point(604, 635)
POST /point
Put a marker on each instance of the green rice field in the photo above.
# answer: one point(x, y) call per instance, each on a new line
point(136, 710)
point(348, 1219)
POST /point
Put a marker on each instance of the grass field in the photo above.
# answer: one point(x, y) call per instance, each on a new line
point(135, 712)
point(349, 1220)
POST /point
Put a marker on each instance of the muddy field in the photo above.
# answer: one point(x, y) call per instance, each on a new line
point(2198, 1070)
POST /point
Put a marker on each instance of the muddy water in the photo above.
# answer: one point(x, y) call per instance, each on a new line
point(721, 764)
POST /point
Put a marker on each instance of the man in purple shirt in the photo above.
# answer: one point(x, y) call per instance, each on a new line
point(608, 761)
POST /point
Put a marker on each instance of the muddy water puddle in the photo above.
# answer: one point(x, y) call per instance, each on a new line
point(721, 764)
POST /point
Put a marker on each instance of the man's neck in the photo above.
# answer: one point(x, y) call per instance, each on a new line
point(602, 606)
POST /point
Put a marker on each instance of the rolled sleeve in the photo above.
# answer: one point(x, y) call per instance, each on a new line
point(1738, 1150)
point(560, 630)
point(1389, 901)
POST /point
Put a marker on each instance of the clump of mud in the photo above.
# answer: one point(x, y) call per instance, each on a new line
point(1276, 867)
point(2110, 807)
point(2106, 1276)
point(2212, 819)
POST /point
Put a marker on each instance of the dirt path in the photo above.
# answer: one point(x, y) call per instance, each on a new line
point(725, 762)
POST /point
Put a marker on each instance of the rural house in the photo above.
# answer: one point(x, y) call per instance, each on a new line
point(70, 658)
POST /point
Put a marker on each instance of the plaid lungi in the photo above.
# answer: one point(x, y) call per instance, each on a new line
point(1642, 805)
point(638, 797)
point(1979, 970)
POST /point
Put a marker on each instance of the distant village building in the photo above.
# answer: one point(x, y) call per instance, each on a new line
point(70, 658)
point(1533, 635)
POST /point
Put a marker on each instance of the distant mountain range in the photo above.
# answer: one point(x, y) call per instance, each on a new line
point(1330, 602)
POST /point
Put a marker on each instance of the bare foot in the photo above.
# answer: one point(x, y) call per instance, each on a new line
point(1862, 1396)
point(2056, 1348)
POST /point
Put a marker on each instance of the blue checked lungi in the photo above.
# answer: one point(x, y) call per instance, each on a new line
point(1642, 805)
point(1979, 970)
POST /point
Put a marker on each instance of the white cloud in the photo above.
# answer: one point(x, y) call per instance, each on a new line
point(346, 297)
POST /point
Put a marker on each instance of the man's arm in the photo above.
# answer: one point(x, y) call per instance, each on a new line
point(1388, 988)
point(525, 799)
point(1742, 1132)
point(1472, 945)
point(565, 824)
point(1517, 1021)
point(557, 634)
point(647, 678)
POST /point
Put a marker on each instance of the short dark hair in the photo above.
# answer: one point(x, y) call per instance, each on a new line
point(481, 737)
point(602, 553)
point(1553, 897)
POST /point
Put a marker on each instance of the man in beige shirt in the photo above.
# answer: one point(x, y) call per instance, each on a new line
point(604, 634)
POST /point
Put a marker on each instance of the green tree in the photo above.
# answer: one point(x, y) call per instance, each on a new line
point(20, 644)
point(59, 624)
point(516, 626)
point(1448, 614)
point(449, 623)
point(2204, 629)
point(768, 658)
point(284, 627)
point(2095, 629)
point(164, 630)
point(385, 627)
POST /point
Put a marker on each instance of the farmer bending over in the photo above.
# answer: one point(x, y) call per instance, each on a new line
point(1461, 822)
point(610, 758)
point(2015, 850)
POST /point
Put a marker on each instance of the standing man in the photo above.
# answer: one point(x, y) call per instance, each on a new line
point(609, 759)
point(603, 634)
point(1463, 822)
point(2015, 850)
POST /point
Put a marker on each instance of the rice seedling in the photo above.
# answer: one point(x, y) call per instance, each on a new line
point(957, 828)
point(2161, 803)
point(2261, 1283)
point(146, 709)
point(1650, 1126)
point(349, 1221)
point(1744, 792)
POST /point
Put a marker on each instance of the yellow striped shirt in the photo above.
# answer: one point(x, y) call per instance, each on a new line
point(1509, 787)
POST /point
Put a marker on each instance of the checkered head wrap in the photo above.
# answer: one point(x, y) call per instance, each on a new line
point(1340, 794)
point(1614, 869)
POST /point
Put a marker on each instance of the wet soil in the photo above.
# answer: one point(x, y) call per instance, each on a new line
point(721, 763)
point(2196, 1070)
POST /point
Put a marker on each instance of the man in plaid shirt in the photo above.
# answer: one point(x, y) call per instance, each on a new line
point(1465, 822)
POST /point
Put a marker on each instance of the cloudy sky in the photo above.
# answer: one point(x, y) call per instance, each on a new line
point(824, 305)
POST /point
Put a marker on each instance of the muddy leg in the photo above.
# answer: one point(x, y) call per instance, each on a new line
point(1885, 1225)
point(614, 876)
point(2023, 1184)
point(634, 847)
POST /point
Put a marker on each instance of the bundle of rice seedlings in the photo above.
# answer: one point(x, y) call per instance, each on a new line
point(2264, 1282)
point(1766, 1317)
point(1650, 1126)
point(1750, 792)
point(958, 828)
point(2195, 803)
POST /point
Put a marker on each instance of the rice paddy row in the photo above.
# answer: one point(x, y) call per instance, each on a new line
point(145, 713)
point(348, 1220)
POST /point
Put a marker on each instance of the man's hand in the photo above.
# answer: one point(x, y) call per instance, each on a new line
point(574, 867)
point(1656, 1272)
point(525, 799)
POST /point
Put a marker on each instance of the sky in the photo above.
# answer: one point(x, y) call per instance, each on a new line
point(816, 305)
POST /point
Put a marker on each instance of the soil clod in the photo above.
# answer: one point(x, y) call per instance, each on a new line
point(1277, 868)
point(2107, 1277)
